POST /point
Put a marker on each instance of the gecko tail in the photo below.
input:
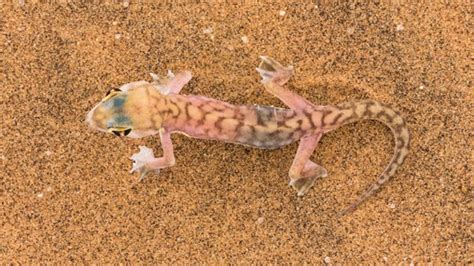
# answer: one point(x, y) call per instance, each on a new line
point(373, 110)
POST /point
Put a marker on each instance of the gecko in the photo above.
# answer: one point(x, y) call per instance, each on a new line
point(140, 109)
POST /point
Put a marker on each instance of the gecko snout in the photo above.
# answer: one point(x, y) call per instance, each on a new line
point(91, 120)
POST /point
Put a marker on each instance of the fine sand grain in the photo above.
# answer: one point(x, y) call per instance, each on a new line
point(67, 196)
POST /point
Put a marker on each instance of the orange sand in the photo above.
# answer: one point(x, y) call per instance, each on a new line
point(66, 194)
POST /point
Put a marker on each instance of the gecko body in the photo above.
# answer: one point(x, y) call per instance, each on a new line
point(140, 109)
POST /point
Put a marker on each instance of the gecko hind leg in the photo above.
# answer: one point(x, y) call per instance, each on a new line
point(274, 76)
point(308, 176)
point(303, 172)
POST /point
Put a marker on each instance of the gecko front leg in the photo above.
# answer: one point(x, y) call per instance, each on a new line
point(145, 161)
point(171, 83)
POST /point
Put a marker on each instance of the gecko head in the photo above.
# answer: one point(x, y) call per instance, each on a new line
point(123, 112)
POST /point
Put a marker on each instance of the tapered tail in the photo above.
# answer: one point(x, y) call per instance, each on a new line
point(346, 113)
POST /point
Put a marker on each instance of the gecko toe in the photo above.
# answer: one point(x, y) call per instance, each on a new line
point(323, 172)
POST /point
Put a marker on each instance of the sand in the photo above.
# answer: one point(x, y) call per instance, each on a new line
point(67, 196)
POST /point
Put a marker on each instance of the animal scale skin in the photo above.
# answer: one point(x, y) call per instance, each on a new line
point(140, 109)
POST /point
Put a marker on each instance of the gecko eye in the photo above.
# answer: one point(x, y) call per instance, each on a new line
point(112, 90)
point(127, 131)
point(119, 132)
point(111, 93)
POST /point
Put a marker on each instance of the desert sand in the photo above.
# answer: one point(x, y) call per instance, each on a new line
point(67, 196)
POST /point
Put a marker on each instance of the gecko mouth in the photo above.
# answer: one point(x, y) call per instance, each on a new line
point(137, 133)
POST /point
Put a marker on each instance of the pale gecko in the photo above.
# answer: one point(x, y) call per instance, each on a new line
point(142, 108)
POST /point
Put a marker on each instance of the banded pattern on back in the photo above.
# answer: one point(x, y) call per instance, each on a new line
point(354, 111)
point(268, 127)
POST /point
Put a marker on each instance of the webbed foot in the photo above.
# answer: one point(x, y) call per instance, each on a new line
point(272, 71)
point(302, 185)
point(310, 173)
point(143, 162)
point(171, 83)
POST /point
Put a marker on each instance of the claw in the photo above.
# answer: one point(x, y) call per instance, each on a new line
point(141, 162)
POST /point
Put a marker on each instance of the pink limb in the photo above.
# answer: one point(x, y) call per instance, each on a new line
point(145, 161)
point(274, 76)
point(303, 171)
